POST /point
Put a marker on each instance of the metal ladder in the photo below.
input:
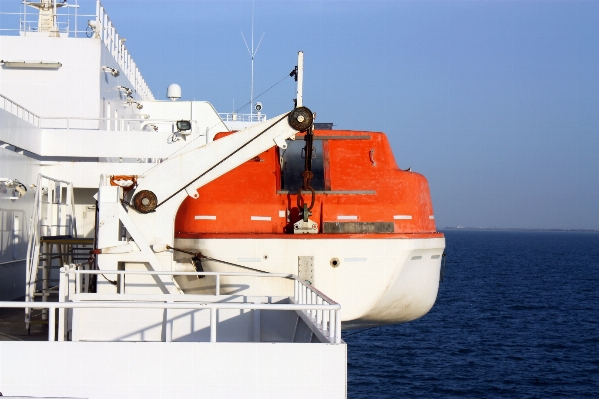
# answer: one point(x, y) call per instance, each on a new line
point(52, 243)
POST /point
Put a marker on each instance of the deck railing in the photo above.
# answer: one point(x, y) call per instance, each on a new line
point(19, 111)
point(235, 117)
point(320, 310)
point(84, 123)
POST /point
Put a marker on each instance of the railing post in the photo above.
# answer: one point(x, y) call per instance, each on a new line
point(47, 248)
point(168, 324)
point(338, 326)
point(213, 324)
point(256, 334)
point(217, 293)
point(122, 284)
point(295, 293)
point(319, 312)
point(77, 282)
point(51, 324)
point(324, 316)
point(62, 287)
point(331, 324)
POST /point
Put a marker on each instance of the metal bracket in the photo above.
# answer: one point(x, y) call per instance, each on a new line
point(192, 192)
point(309, 227)
point(280, 142)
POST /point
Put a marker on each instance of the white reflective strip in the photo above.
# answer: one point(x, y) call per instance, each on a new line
point(355, 259)
point(261, 218)
point(400, 217)
point(248, 259)
point(342, 217)
point(431, 217)
point(282, 214)
point(205, 217)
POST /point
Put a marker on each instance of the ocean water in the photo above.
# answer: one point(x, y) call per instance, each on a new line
point(517, 316)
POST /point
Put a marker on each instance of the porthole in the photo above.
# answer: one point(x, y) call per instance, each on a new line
point(335, 262)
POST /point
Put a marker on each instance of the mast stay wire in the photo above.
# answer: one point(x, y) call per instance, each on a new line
point(210, 129)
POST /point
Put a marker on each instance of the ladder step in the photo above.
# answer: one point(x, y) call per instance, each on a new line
point(48, 294)
point(38, 321)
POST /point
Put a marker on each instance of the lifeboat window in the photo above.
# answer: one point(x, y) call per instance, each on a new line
point(292, 166)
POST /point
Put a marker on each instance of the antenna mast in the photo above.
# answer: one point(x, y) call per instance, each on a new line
point(252, 53)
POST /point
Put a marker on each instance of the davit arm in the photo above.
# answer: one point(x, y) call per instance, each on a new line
point(150, 221)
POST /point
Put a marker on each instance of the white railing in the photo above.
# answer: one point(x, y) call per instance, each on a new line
point(235, 117)
point(19, 111)
point(52, 215)
point(84, 123)
point(110, 38)
point(319, 309)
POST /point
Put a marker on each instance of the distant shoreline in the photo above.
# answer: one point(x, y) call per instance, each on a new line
point(522, 229)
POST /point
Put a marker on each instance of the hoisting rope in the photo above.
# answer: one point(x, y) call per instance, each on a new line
point(199, 255)
point(223, 160)
point(307, 176)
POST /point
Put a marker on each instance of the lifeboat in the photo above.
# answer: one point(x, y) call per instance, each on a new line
point(370, 240)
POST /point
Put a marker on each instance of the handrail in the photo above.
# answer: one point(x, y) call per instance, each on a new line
point(22, 109)
point(37, 120)
point(213, 306)
point(73, 269)
point(235, 117)
point(303, 293)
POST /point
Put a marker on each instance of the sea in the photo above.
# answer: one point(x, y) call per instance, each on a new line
point(517, 316)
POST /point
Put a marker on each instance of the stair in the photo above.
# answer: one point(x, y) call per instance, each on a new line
point(53, 243)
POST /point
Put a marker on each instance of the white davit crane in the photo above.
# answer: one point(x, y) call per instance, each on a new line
point(151, 215)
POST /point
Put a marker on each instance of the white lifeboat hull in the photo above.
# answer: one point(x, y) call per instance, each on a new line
point(378, 281)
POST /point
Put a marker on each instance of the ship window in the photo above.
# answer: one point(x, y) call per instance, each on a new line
point(292, 166)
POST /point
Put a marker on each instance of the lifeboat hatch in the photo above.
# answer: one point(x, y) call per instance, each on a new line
point(292, 166)
point(305, 268)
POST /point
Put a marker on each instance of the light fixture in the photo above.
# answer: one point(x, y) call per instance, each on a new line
point(96, 27)
point(127, 90)
point(30, 64)
point(131, 101)
point(183, 125)
point(19, 188)
point(112, 71)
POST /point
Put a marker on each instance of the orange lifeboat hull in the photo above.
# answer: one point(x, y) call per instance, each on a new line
point(376, 220)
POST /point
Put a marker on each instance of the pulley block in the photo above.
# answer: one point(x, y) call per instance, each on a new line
point(145, 201)
point(301, 118)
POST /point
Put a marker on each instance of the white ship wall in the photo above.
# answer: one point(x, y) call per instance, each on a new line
point(71, 90)
point(173, 370)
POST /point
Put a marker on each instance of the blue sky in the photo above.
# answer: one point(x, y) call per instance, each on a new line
point(495, 102)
